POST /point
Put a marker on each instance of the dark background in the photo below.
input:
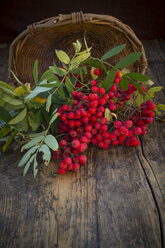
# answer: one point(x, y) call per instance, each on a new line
point(146, 18)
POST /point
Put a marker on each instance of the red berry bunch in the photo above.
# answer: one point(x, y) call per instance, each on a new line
point(84, 121)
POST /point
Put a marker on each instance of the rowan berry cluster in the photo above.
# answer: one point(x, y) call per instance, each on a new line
point(84, 121)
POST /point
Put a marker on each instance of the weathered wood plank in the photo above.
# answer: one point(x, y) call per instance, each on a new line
point(116, 200)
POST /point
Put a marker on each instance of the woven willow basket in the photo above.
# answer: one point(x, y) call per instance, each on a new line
point(40, 40)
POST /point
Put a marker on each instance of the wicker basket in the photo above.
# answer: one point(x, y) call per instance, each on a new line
point(40, 40)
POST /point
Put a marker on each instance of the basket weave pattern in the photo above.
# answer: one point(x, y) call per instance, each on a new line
point(39, 40)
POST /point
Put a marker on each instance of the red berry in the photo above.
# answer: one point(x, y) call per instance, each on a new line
point(112, 107)
point(150, 105)
point(63, 142)
point(88, 135)
point(92, 111)
point(64, 107)
point(101, 109)
point(71, 115)
point(112, 136)
point(103, 128)
point(97, 125)
point(105, 135)
point(71, 124)
point(88, 128)
point(82, 159)
point(82, 147)
point(101, 91)
point(61, 171)
point(67, 160)
point(99, 137)
point(93, 82)
point(84, 113)
point(93, 118)
point(106, 97)
point(101, 144)
point(63, 165)
point(107, 141)
point(80, 130)
point(99, 114)
point(137, 130)
point(78, 123)
point(83, 139)
point(102, 101)
point(63, 117)
point(91, 96)
point(117, 80)
point(103, 120)
point(76, 166)
point(97, 71)
point(123, 131)
point(94, 131)
point(75, 103)
point(111, 94)
point(75, 143)
point(94, 89)
point(94, 104)
point(117, 124)
point(84, 98)
point(128, 124)
point(115, 142)
point(113, 88)
point(85, 119)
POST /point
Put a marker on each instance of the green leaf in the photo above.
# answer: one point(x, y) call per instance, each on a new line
point(69, 85)
point(138, 87)
point(48, 103)
point(59, 71)
point(151, 92)
point(128, 60)
point(4, 131)
point(35, 71)
point(62, 56)
point(37, 91)
point(124, 83)
point(54, 117)
point(77, 45)
point(61, 93)
point(12, 100)
point(9, 140)
point(81, 74)
point(18, 80)
point(46, 154)
point(36, 121)
point(156, 110)
point(35, 164)
point(96, 64)
point(4, 115)
point(6, 85)
point(27, 155)
point(32, 142)
point(139, 99)
point(28, 164)
point(51, 141)
point(49, 85)
point(8, 91)
point(19, 117)
point(161, 106)
point(77, 60)
point(113, 51)
point(107, 83)
point(137, 76)
point(25, 125)
point(49, 76)
point(34, 135)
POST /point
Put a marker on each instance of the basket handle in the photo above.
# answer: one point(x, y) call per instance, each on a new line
point(75, 17)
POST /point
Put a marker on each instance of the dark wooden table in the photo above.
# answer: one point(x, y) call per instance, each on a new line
point(116, 200)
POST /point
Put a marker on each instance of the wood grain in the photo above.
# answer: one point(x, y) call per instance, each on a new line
point(116, 200)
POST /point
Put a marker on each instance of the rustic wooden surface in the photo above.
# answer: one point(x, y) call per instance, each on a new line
point(116, 200)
